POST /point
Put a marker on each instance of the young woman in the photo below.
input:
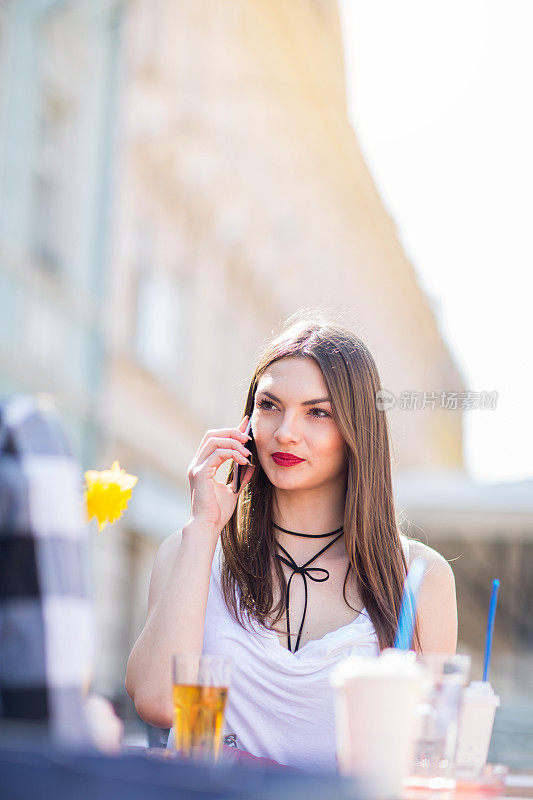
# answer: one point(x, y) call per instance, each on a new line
point(303, 566)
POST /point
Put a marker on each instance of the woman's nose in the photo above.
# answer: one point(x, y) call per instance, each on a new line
point(287, 430)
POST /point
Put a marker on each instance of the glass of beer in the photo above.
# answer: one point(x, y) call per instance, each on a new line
point(200, 687)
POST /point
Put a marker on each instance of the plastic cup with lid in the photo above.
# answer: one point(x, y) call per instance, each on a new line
point(475, 728)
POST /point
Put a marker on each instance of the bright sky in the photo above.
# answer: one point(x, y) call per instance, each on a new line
point(441, 98)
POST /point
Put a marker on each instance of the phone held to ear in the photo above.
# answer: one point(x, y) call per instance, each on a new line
point(238, 469)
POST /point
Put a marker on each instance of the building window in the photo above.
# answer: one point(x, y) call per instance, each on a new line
point(62, 70)
point(161, 325)
point(48, 191)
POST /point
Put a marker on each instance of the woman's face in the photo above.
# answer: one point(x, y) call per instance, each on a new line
point(298, 442)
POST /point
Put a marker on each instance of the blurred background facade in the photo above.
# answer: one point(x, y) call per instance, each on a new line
point(176, 177)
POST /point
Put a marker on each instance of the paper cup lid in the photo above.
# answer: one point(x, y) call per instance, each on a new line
point(390, 664)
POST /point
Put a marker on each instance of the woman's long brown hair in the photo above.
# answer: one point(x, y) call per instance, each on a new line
point(371, 532)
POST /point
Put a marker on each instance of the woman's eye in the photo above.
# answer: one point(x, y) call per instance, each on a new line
point(319, 412)
point(266, 404)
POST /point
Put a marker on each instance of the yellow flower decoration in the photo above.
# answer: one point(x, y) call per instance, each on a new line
point(107, 493)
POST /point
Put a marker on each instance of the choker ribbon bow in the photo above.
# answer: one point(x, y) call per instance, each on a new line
point(317, 574)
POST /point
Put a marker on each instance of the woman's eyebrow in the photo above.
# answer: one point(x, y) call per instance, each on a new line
point(305, 403)
point(318, 400)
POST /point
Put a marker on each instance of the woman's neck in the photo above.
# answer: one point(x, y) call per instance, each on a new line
point(312, 511)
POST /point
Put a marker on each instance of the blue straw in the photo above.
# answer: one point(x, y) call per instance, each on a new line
point(406, 620)
point(490, 627)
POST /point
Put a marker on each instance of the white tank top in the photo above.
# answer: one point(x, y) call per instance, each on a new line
point(280, 704)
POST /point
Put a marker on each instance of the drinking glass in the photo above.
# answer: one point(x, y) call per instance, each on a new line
point(200, 687)
point(438, 721)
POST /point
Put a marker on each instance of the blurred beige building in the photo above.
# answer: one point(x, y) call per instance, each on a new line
point(240, 195)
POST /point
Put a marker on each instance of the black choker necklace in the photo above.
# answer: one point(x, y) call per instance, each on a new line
point(305, 571)
point(307, 535)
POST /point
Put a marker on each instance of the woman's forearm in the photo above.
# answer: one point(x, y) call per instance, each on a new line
point(175, 622)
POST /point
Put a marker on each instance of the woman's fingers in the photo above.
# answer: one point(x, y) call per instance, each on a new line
point(227, 433)
point(220, 443)
point(243, 423)
point(216, 459)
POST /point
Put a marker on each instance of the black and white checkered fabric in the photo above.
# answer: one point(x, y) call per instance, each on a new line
point(46, 625)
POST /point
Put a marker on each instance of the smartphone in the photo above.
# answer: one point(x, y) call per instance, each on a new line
point(238, 469)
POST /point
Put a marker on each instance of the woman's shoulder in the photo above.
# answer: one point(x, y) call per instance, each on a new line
point(438, 574)
point(434, 560)
point(437, 600)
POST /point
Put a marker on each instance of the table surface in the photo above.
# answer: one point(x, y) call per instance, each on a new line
point(56, 775)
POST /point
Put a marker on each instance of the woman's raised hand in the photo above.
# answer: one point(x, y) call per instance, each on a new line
point(213, 502)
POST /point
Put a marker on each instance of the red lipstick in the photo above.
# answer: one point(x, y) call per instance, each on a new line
point(286, 460)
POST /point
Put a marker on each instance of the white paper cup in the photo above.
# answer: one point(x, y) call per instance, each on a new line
point(475, 728)
point(376, 699)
